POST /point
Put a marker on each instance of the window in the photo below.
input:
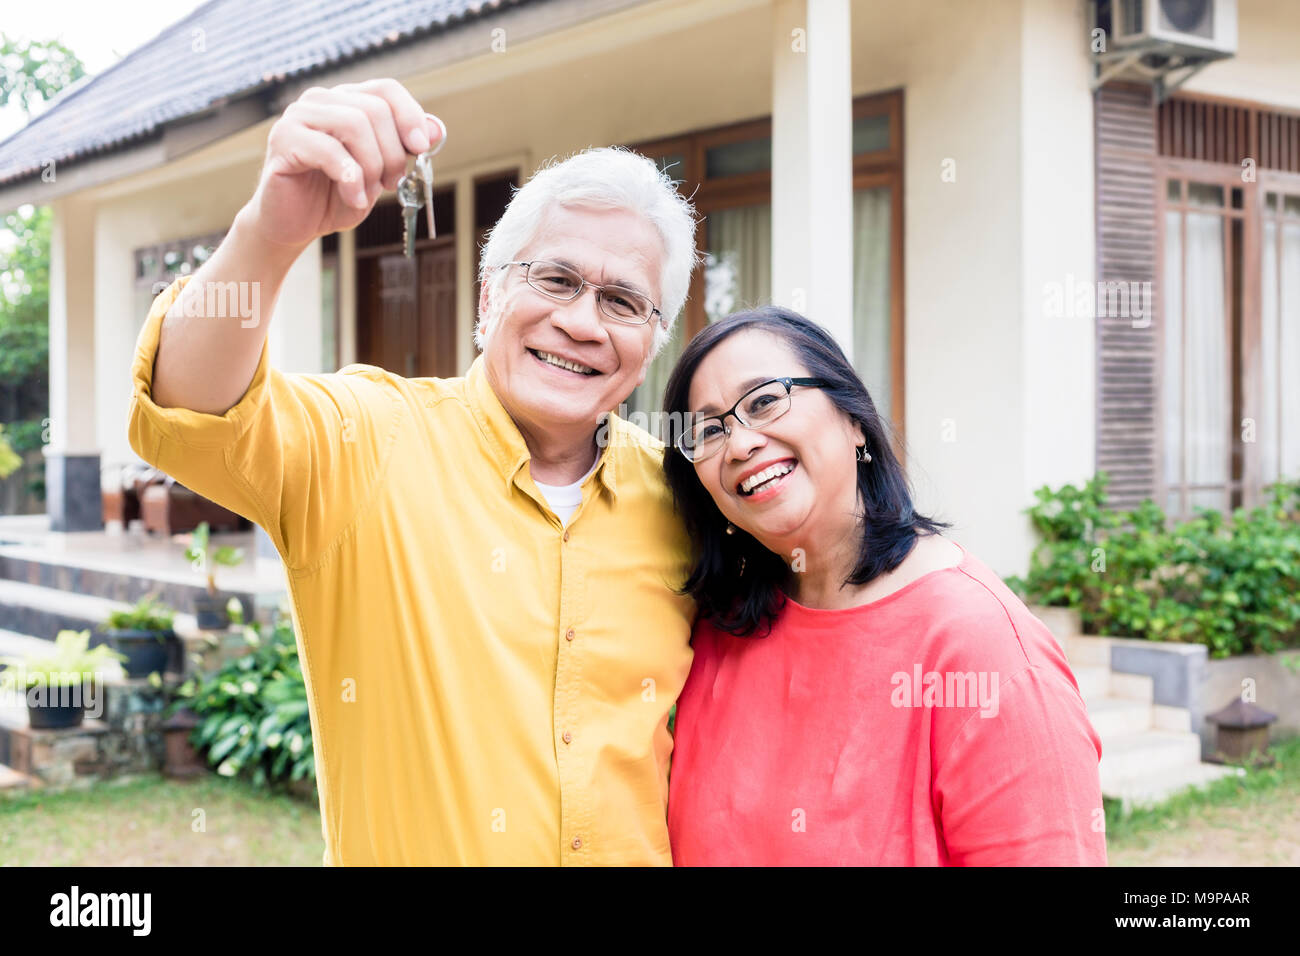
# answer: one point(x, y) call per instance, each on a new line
point(1202, 351)
point(156, 267)
point(728, 174)
point(1279, 333)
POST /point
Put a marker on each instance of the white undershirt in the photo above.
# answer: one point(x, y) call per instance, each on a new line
point(564, 499)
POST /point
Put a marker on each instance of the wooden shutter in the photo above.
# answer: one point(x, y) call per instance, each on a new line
point(1128, 383)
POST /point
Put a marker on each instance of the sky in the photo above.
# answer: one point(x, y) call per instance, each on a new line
point(99, 32)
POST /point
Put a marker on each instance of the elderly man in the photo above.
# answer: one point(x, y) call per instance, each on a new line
point(483, 593)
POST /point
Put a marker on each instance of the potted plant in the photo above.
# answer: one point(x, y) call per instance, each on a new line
point(142, 633)
point(210, 609)
point(55, 684)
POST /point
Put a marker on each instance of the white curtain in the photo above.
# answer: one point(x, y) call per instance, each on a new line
point(737, 275)
point(1289, 346)
point(872, 327)
point(1209, 402)
point(1279, 429)
point(1268, 427)
point(1172, 361)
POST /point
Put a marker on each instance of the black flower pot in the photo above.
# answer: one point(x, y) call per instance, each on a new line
point(210, 612)
point(146, 651)
point(56, 708)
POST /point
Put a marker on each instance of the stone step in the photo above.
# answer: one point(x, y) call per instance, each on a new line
point(1156, 787)
point(1151, 751)
point(1116, 716)
point(41, 612)
point(117, 579)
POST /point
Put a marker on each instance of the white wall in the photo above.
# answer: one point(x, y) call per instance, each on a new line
point(1058, 245)
point(175, 209)
point(1266, 68)
point(998, 401)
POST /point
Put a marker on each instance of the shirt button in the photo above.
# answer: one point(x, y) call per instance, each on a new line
point(568, 635)
point(568, 737)
point(566, 536)
point(577, 844)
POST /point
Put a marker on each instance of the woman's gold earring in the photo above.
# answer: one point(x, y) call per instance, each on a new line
point(731, 529)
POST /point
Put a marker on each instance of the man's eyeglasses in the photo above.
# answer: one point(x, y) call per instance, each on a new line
point(758, 407)
point(560, 282)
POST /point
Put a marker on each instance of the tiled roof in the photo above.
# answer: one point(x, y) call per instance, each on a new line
point(223, 50)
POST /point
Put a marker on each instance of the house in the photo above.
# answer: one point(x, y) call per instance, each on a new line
point(1055, 236)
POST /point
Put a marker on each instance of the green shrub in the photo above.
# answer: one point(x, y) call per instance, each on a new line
point(253, 711)
point(147, 614)
point(1229, 582)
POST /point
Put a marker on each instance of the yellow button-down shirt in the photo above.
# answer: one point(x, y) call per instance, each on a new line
point(485, 685)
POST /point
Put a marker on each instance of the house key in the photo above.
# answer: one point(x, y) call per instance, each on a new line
point(415, 190)
point(410, 199)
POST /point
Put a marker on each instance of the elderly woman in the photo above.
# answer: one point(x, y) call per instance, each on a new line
point(864, 691)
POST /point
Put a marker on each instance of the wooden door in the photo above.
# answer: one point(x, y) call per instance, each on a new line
point(406, 317)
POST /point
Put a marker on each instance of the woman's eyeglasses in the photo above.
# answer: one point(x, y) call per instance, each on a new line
point(560, 282)
point(758, 407)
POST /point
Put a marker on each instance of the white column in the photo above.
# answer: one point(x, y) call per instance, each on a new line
point(347, 304)
point(466, 301)
point(72, 477)
point(812, 163)
point(296, 323)
point(72, 329)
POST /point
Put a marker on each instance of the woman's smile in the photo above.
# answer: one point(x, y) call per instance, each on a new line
point(768, 482)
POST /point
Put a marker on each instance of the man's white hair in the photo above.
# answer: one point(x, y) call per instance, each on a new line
point(609, 177)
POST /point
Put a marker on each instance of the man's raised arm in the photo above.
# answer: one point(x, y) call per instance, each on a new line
point(328, 159)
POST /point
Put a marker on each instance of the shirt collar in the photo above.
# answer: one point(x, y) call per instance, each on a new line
point(507, 445)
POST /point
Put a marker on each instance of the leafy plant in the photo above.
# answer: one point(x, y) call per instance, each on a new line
point(147, 614)
point(203, 557)
point(9, 461)
point(253, 712)
point(1226, 581)
point(31, 72)
point(71, 662)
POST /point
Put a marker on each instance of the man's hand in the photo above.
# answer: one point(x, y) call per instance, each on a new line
point(331, 155)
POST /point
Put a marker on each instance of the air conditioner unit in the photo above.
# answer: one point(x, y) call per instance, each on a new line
point(1188, 28)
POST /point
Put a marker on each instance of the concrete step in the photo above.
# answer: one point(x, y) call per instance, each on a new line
point(1093, 681)
point(1117, 717)
point(1132, 686)
point(1083, 651)
point(11, 780)
point(1155, 787)
point(1151, 751)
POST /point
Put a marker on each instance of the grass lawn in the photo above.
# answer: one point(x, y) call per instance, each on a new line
point(152, 821)
point(1246, 821)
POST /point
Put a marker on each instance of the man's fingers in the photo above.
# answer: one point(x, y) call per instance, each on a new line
point(350, 126)
point(307, 149)
point(419, 130)
point(384, 126)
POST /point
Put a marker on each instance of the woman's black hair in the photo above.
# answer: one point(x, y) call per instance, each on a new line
point(736, 582)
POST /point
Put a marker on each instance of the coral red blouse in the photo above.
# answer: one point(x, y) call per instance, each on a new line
point(939, 725)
